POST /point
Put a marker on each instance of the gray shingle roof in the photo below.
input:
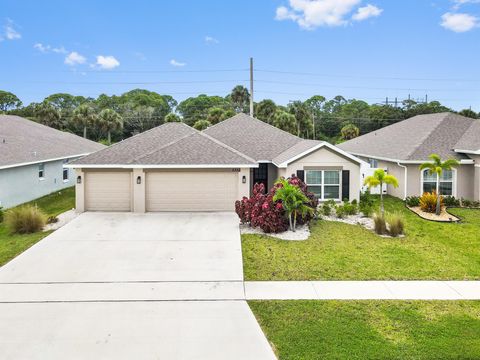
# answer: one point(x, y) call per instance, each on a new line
point(253, 137)
point(296, 149)
point(471, 139)
point(25, 141)
point(414, 139)
point(168, 144)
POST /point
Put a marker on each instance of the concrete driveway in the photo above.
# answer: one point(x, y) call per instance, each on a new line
point(123, 286)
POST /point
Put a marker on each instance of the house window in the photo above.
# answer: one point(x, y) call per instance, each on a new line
point(65, 171)
point(429, 182)
point(325, 184)
point(373, 163)
point(41, 171)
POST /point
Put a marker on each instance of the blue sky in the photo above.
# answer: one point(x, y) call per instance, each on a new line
point(359, 49)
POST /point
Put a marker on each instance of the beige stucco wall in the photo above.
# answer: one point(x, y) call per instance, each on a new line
point(464, 180)
point(138, 190)
point(326, 158)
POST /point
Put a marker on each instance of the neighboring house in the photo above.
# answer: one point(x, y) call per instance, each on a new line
point(32, 158)
point(174, 167)
point(400, 149)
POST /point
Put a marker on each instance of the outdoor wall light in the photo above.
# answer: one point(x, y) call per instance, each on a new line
point(79, 179)
point(244, 179)
point(139, 180)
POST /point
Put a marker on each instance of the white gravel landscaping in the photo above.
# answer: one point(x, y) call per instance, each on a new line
point(302, 233)
point(358, 219)
point(63, 219)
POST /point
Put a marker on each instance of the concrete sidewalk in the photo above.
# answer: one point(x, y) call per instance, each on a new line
point(362, 290)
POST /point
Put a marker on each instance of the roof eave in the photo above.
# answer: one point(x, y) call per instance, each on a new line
point(474, 152)
point(462, 161)
point(161, 166)
point(41, 161)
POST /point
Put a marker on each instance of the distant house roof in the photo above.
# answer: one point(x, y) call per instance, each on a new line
point(470, 141)
point(168, 145)
point(23, 141)
point(253, 137)
point(414, 139)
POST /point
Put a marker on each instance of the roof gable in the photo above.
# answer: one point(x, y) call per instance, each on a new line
point(470, 141)
point(253, 137)
point(25, 141)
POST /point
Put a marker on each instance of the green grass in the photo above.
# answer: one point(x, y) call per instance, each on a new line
point(337, 251)
point(371, 329)
point(53, 205)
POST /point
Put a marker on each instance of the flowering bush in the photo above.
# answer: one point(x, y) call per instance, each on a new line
point(261, 211)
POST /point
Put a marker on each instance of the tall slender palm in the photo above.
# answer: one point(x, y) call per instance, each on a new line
point(240, 97)
point(437, 166)
point(379, 178)
point(109, 120)
point(293, 200)
point(84, 115)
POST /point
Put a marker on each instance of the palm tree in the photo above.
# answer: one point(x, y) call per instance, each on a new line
point(240, 97)
point(293, 200)
point(84, 115)
point(379, 178)
point(350, 131)
point(437, 166)
point(48, 115)
point(109, 120)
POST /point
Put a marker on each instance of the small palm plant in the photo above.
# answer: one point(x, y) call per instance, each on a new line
point(109, 120)
point(84, 115)
point(437, 166)
point(379, 178)
point(293, 200)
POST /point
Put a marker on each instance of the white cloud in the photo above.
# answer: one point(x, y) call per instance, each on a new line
point(310, 14)
point(9, 31)
point(211, 40)
point(366, 12)
point(176, 63)
point(107, 62)
point(458, 3)
point(47, 48)
point(459, 22)
point(74, 58)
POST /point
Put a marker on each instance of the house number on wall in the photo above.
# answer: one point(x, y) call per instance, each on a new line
point(235, 170)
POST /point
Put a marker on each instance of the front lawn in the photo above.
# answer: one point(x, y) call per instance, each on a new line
point(337, 251)
point(53, 205)
point(371, 329)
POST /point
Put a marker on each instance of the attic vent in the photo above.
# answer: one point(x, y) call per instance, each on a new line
point(34, 153)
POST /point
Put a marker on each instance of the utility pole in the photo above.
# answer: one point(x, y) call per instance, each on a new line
point(251, 87)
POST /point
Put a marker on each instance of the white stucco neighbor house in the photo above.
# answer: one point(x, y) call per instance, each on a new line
point(32, 159)
point(174, 167)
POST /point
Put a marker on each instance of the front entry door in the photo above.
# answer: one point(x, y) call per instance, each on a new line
point(260, 175)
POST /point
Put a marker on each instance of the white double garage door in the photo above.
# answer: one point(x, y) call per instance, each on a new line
point(201, 190)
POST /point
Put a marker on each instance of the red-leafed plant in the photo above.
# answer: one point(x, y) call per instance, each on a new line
point(260, 210)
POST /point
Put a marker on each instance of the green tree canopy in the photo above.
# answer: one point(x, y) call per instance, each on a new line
point(285, 121)
point(9, 101)
point(201, 125)
point(172, 117)
point(109, 120)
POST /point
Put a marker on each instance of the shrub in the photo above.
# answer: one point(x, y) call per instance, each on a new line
point(428, 202)
point(350, 208)
point(467, 203)
point(2, 214)
point(412, 201)
point(380, 225)
point(25, 219)
point(366, 203)
point(396, 224)
point(450, 201)
point(476, 204)
point(326, 209)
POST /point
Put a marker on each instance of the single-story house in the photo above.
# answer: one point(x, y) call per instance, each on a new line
point(400, 149)
point(32, 159)
point(174, 167)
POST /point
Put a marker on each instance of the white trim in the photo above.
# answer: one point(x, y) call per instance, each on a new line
point(454, 182)
point(462, 161)
point(319, 146)
point(475, 152)
point(478, 165)
point(41, 161)
point(120, 166)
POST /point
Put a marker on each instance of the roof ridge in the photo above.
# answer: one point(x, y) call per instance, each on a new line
point(162, 147)
point(424, 138)
point(227, 147)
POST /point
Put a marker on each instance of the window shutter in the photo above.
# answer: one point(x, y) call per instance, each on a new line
point(346, 185)
point(301, 175)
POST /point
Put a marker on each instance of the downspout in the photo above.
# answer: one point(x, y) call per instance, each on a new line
point(405, 180)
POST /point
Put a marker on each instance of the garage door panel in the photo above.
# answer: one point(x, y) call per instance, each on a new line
point(191, 191)
point(108, 191)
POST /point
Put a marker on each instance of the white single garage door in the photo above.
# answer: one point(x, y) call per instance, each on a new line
point(108, 191)
point(191, 190)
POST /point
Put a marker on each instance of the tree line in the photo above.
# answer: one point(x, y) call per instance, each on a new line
point(113, 118)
